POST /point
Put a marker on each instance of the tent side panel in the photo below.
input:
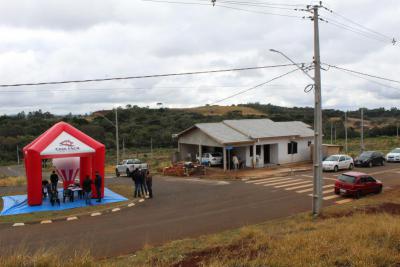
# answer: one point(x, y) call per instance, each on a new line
point(85, 168)
point(33, 165)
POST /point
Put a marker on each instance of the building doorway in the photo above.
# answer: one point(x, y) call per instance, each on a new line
point(267, 154)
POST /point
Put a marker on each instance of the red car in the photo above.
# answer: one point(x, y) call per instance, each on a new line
point(357, 184)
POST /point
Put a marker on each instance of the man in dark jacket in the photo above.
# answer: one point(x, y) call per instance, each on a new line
point(149, 183)
point(137, 180)
point(97, 184)
point(54, 180)
point(87, 189)
point(143, 174)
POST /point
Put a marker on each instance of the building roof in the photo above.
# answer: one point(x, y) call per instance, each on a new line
point(222, 133)
point(248, 130)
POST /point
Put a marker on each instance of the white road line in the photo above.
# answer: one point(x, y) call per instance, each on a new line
point(95, 214)
point(72, 218)
point(330, 197)
point(260, 180)
point(305, 175)
point(274, 180)
point(286, 185)
point(297, 187)
point(115, 209)
point(131, 205)
point(327, 191)
point(141, 200)
point(46, 221)
point(279, 183)
point(18, 224)
point(309, 190)
point(346, 200)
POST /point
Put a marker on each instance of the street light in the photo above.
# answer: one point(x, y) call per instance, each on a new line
point(116, 130)
point(317, 153)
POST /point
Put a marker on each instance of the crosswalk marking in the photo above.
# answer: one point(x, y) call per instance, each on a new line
point(346, 200)
point(260, 180)
point(279, 183)
point(327, 197)
point(327, 191)
point(305, 175)
point(297, 187)
point(309, 190)
point(274, 180)
point(330, 197)
point(286, 185)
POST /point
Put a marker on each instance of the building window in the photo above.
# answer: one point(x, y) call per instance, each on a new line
point(309, 143)
point(251, 151)
point(292, 148)
point(258, 150)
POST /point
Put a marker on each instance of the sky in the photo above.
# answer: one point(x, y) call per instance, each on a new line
point(71, 40)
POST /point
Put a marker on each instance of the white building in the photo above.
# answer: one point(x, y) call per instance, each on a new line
point(273, 143)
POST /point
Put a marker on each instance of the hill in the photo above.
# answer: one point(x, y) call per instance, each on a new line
point(139, 126)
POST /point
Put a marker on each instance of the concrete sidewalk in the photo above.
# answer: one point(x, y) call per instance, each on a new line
point(249, 173)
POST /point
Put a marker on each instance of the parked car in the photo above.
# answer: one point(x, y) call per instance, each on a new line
point(369, 159)
point(393, 156)
point(210, 159)
point(128, 165)
point(337, 162)
point(357, 184)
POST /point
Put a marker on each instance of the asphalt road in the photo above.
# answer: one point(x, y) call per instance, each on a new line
point(183, 208)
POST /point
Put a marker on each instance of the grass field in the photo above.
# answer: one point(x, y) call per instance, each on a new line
point(383, 144)
point(223, 110)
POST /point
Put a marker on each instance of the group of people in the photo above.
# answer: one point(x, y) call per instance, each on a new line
point(143, 183)
point(50, 189)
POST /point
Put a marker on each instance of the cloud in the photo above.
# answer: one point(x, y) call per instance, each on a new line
point(63, 40)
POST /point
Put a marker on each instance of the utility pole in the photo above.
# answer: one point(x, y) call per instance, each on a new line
point(123, 146)
point(397, 130)
point(151, 147)
point(116, 133)
point(334, 130)
point(345, 131)
point(18, 154)
point(362, 129)
point(317, 179)
point(331, 133)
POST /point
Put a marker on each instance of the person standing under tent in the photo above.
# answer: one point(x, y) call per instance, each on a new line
point(149, 183)
point(87, 189)
point(54, 180)
point(97, 184)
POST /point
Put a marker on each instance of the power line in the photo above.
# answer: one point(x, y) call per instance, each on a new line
point(145, 76)
point(254, 87)
point(362, 73)
point(224, 6)
point(355, 30)
point(359, 25)
point(369, 80)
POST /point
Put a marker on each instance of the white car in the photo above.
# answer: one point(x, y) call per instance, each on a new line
point(127, 166)
point(338, 162)
point(210, 159)
point(393, 156)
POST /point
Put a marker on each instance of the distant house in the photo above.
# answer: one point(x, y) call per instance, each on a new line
point(257, 142)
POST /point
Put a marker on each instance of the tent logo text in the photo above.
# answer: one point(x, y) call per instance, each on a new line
point(67, 145)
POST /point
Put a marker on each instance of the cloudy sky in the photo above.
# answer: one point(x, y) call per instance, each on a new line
point(69, 40)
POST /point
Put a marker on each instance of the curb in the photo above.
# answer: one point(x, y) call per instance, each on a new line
point(77, 217)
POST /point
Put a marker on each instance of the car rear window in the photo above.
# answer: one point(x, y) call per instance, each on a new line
point(332, 158)
point(347, 178)
point(396, 150)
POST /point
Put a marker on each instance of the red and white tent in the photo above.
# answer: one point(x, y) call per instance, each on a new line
point(62, 141)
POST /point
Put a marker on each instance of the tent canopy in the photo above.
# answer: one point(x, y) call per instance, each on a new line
point(61, 141)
